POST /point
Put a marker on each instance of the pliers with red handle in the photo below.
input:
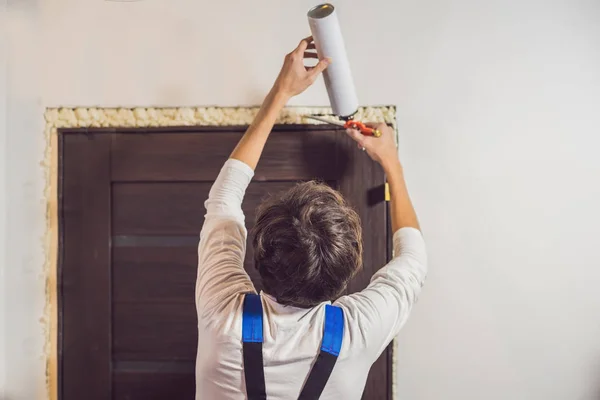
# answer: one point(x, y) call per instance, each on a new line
point(350, 124)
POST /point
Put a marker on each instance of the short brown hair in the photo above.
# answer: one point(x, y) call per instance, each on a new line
point(307, 244)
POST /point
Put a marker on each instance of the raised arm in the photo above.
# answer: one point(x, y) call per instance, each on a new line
point(378, 312)
point(293, 79)
point(384, 151)
point(221, 277)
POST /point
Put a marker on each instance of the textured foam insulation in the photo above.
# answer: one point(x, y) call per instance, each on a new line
point(57, 118)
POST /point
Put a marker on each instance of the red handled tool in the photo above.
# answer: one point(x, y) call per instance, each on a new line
point(350, 124)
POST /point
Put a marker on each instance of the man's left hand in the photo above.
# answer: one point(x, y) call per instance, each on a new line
point(295, 77)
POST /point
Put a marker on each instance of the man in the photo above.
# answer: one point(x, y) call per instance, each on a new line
point(307, 247)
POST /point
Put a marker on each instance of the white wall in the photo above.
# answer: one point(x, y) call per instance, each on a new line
point(23, 292)
point(499, 113)
point(3, 188)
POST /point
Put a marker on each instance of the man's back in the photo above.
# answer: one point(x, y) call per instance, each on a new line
point(292, 336)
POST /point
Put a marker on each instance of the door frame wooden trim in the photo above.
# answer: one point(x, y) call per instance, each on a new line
point(61, 121)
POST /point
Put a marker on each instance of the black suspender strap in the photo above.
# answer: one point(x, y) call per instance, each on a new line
point(252, 340)
point(333, 333)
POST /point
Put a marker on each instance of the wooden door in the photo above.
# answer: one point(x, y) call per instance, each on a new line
point(131, 208)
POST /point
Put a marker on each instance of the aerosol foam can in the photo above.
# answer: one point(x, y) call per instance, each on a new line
point(329, 42)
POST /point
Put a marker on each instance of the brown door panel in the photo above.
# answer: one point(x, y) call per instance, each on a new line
point(131, 208)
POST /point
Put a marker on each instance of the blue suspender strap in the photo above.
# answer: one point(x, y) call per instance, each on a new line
point(252, 340)
point(334, 330)
point(333, 334)
point(252, 319)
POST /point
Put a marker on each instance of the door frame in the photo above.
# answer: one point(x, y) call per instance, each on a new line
point(69, 120)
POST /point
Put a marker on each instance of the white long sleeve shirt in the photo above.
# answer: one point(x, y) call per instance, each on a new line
point(292, 336)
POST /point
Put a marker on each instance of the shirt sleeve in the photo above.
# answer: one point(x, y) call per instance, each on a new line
point(222, 248)
point(376, 314)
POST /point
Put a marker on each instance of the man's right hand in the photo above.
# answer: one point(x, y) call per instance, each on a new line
point(382, 149)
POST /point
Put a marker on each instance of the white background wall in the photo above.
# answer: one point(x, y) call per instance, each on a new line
point(499, 115)
point(3, 188)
